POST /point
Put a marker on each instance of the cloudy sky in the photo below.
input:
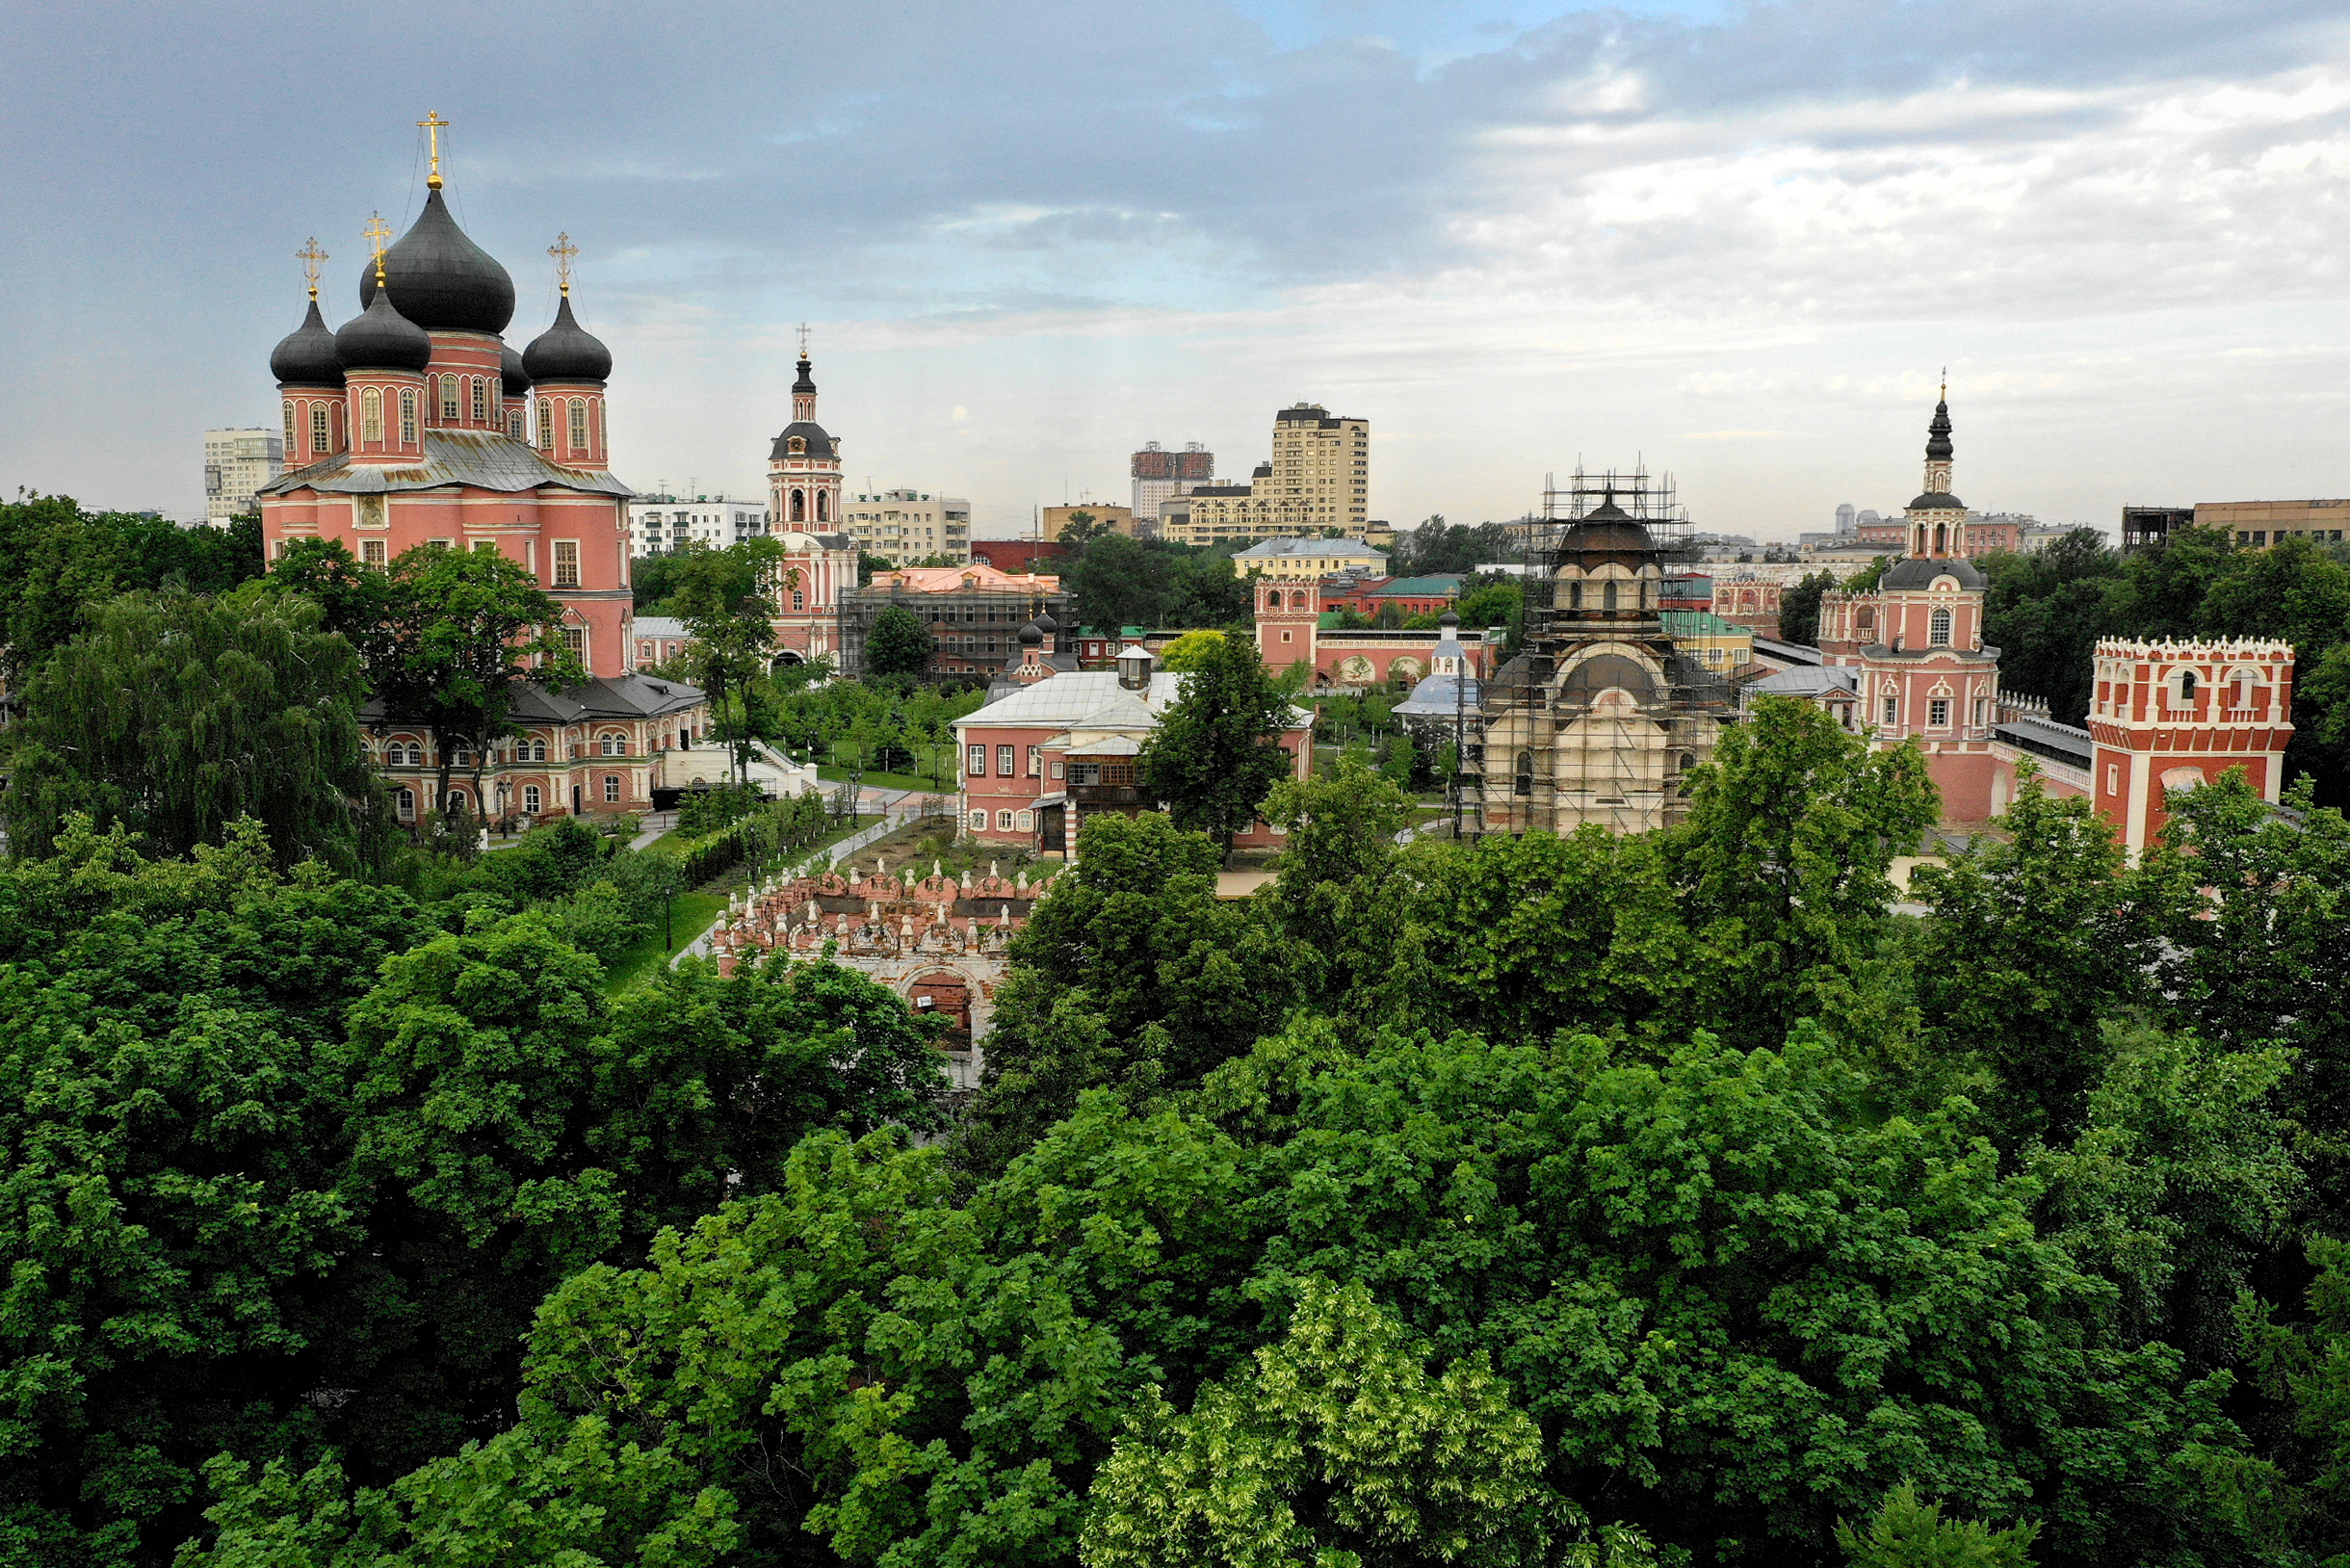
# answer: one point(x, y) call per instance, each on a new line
point(1737, 242)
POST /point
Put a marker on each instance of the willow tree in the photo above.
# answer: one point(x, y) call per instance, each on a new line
point(176, 715)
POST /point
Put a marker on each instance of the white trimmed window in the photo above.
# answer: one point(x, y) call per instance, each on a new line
point(448, 397)
point(1035, 762)
point(289, 441)
point(481, 401)
point(575, 638)
point(371, 414)
point(529, 800)
point(1024, 821)
point(567, 564)
point(613, 744)
point(406, 806)
point(1938, 713)
point(1893, 710)
point(407, 419)
point(978, 822)
point(546, 424)
point(1003, 821)
point(611, 789)
point(975, 764)
point(1004, 761)
point(318, 429)
point(374, 553)
point(1938, 629)
point(578, 423)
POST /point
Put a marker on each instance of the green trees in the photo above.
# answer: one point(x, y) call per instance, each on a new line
point(1799, 608)
point(727, 600)
point(466, 629)
point(1907, 1533)
point(288, 1171)
point(175, 716)
point(1216, 752)
point(1119, 582)
point(58, 563)
point(1338, 1448)
point(899, 645)
point(1189, 650)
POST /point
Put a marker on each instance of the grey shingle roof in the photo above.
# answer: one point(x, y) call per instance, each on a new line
point(485, 459)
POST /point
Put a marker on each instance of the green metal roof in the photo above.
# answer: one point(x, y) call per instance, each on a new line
point(1420, 587)
point(1696, 624)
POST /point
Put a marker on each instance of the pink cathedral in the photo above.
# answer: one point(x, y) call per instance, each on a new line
point(415, 424)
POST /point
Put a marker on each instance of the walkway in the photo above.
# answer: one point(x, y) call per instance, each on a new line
point(898, 808)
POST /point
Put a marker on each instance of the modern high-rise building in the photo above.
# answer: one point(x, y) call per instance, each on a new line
point(236, 463)
point(902, 527)
point(1317, 484)
point(1160, 475)
point(659, 524)
point(1321, 466)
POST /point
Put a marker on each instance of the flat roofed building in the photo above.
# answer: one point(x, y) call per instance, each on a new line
point(2260, 525)
point(1160, 475)
point(906, 526)
point(1321, 468)
point(1054, 522)
point(659, 524)
point(236, 463)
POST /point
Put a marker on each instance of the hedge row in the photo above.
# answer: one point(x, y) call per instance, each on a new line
point(772, 833)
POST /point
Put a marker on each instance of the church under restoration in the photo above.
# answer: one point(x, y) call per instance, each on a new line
point(1600, 717)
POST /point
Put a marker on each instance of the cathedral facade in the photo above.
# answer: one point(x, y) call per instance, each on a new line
point(1601, 718)
point(415, 424)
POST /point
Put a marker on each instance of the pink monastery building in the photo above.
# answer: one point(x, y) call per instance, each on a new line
point(416, 425)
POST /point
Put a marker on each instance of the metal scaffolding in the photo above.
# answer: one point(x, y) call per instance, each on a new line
point(1598, 717)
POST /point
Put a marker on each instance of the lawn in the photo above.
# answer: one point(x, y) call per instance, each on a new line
point(689, 919)
point(890, 782)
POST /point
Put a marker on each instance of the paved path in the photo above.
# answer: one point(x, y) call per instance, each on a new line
point(655, 824)
point(898, 809)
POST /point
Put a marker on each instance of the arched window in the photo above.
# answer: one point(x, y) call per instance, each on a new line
point(455, 804)
point(289, 441)
point(1525, 774)
point(800, 506)
point(1938, 629)
point(1942, 537)
point(1299, 600)
point(1575, 595)
point(371, 415)
point(823, 506)
point(318, 430)
point(546, 424)
point(407, 419)
point(448, 397)
point(408, 803)
point(1607, 596)
point(335, 412)
point(481, 401)
point(513, 422)
point(615, 743)
point(579, 425)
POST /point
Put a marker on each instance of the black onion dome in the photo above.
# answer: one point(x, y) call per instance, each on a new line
point(306, 357)
point(567, 351)
point(1938, 434)
point(510, 366)
point(444, 282)
point(380, 338)
point(1936, 501)
point(817, 442)
point(1919, 571)
point(1045, 622)
point(1031, 636)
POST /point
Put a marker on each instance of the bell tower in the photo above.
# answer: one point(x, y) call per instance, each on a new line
point(1287, 615)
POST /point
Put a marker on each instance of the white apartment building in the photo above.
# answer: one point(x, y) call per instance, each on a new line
point(902, 527)
point(236, 464)
point(659, 524)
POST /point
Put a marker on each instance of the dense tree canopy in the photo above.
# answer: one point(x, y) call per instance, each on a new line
point(898, 643)
point(1216, 752)
point(58, 564)
point(175, 716)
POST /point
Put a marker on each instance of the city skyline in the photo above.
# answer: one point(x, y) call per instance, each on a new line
point(1697, 235)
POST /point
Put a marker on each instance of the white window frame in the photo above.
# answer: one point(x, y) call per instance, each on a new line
point(975, 760)
point(1003, 821)
point(978, 822)
point(567, 556)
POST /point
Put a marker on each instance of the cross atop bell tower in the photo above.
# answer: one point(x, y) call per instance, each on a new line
point(803, 390)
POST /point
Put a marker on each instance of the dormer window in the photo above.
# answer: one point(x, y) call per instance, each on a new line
point(799, 443)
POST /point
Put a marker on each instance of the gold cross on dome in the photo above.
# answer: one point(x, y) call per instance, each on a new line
point(310, 255)
point(432, 125)
point(377, 231)
point(563, 250)
point(804, 340)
